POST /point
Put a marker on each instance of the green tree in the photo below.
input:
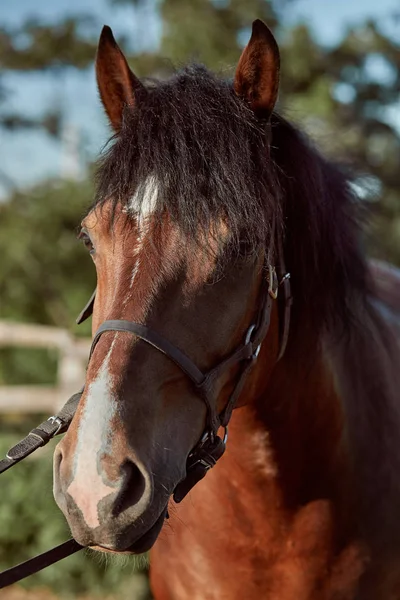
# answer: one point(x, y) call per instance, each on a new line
point(46, 276)
point(36, 47)
point(343, 96)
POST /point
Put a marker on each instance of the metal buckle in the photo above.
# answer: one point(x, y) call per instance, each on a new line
point(205, 464)
point(207, 434)
point(284, 278)
point(225, 438)
point(273, 283)
point(57, 420)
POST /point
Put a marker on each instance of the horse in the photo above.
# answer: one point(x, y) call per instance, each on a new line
point(207, 200)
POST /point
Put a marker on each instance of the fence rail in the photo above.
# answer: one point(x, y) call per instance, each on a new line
point(72, 357)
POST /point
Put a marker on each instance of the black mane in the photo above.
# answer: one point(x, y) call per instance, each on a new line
point(213, 159)
point(206, 151)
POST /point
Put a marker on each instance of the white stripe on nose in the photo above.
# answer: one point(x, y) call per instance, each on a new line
point(94, 439)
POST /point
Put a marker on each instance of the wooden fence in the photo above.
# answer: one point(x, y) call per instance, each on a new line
point(72, 358)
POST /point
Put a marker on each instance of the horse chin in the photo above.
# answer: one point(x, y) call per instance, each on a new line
point(142, 544)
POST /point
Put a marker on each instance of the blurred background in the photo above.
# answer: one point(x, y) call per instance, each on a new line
point(340, 82)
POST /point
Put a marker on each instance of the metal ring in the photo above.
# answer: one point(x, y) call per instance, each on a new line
point(273, 283)
point(204, 436)
point(257, 351)
point(249, 333)
point(225, 438)
point(248, 340)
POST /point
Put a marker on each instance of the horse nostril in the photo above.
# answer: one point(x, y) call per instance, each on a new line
point(132, 489)
point(57, 460)
point(57, 478)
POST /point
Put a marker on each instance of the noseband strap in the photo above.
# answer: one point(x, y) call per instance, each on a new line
point(154, 339)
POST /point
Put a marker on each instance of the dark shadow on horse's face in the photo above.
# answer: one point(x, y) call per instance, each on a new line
point(140, 415)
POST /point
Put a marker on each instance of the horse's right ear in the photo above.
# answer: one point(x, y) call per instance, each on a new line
point(116, 82)
point(257, 74)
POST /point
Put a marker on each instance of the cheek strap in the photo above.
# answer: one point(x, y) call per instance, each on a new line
point(88, 309)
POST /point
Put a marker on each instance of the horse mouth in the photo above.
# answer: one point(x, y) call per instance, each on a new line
point(143, 543)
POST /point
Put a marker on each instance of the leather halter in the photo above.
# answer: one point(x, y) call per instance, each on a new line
point(210, 447)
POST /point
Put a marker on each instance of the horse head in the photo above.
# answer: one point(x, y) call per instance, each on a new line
point(183, 237)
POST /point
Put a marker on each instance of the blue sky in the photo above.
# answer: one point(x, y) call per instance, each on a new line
point(36, 156)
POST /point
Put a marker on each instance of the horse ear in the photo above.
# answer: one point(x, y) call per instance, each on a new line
point(257, 74)
point(116, 82)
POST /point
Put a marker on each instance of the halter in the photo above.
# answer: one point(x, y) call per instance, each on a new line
point(210, 447)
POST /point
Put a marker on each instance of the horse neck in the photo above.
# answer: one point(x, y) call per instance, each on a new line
point(300, 411)
point(275, 508)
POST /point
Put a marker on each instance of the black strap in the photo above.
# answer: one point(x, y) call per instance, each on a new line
point(154, 339)
point(88, 309)
point(285, 285)
point(203, 381)
point(42, 434)
point(38, 437)
point(33, 565)
point(226, 414)
point(200, 460)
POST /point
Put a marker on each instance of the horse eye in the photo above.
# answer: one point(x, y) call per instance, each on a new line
point(87, 242)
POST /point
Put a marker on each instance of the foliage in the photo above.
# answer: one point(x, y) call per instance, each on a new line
point(45, 274)
point(209, 31)
point(29, 366)
point(344, 97)
point(35, 46)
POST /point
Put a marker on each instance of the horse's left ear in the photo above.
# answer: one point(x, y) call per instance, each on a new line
point(257, 74)
point(118, 86)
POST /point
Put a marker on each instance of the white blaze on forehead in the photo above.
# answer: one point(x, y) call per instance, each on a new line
point(146, 197)
point(87, 487)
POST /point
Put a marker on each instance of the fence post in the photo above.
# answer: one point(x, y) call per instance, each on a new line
point(72, 358)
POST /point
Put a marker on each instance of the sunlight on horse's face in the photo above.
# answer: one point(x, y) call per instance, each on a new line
point(140, 416)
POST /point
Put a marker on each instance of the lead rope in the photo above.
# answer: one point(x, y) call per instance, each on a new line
point(39, 562)
point(42, 434)
point(38, 437)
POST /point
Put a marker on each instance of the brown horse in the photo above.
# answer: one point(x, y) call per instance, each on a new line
point(203, 192)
